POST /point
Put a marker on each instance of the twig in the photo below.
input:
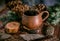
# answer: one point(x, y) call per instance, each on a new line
point(4, 8)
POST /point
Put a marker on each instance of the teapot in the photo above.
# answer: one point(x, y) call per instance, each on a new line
point(33, 19)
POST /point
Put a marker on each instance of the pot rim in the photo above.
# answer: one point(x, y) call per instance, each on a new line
point(31, 15)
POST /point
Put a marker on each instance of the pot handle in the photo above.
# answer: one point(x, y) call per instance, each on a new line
point(45, 12)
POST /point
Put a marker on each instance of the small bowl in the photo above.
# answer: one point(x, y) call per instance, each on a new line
point(12, 27)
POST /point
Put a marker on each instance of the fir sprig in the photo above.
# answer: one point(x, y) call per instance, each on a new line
point(54, 17)
point(9, 16)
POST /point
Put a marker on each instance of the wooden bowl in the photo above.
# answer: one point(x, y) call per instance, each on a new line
point(12, 27)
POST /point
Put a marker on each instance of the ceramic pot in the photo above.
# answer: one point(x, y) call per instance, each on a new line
point(33, 19)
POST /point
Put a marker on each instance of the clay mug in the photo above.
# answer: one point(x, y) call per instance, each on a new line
point(33, 19)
